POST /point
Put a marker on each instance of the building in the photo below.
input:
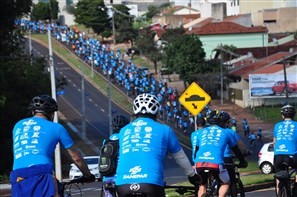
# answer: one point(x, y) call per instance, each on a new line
point(215, 34)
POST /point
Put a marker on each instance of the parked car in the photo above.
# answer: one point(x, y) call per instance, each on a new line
point(92, 162)
point(279, 87)
point(266, 156)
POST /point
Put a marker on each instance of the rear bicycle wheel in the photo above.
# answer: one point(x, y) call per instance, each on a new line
point(283, 192)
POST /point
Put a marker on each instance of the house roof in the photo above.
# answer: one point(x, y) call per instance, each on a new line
point(226, 28)
point(263, 66)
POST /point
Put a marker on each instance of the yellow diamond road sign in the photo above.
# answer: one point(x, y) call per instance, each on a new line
point(194, 99)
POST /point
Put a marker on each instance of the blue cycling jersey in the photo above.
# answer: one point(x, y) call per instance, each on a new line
point(35, 140)
point(143, 147)
point(285, 133)
point(227, 152)
point(212, 142)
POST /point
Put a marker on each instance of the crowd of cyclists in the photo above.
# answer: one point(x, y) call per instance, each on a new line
point(131, 79)
point(144, 140)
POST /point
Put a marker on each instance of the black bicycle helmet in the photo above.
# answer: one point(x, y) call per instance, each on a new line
point(225, 117)
point(213, 117)
point(118, 122)
point(288, 111)
point(43, 104)
point(200, 121)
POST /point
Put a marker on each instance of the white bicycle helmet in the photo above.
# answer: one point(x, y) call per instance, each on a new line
point(146, 104)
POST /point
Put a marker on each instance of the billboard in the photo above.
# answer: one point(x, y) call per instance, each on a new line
point(272, 85)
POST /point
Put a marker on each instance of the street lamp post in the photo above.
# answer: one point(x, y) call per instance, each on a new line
point(53, 89)
point(113, 26)
point(83, 109)
point(58, 169)
point(92, 63)
point(109, 103)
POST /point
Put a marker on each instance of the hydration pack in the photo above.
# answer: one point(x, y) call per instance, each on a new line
point(109, 158)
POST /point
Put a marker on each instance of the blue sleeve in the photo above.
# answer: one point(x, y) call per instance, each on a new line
point(65, 138)
point(232, 140)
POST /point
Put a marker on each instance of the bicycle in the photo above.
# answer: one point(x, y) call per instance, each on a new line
point(211, 183)
point(286, 184)
point(236, 185)
point(71, 188)
point(67, 189)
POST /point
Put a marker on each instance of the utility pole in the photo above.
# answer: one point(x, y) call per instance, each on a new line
point(285, 80)
point(109, 103)
point(83, 102)
point(222, 80)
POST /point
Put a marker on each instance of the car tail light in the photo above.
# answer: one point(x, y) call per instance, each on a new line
point(259, 155)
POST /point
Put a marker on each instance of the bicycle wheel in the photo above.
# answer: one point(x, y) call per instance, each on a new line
point(283, 192)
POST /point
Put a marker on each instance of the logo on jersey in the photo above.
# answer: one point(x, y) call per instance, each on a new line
point(206, 155)
point(134, 173)
point(134, 187)
point(139, 123)
point(282, 148)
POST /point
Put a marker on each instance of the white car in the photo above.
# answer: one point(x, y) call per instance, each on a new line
point(93, 163)
point(266, 156)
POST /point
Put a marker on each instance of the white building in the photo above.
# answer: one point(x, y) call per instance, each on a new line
point(232, 6)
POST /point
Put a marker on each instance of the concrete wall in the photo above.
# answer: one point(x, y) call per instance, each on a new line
point(254, 6)
point(210, 42)
point(215, 10)
point(286, 19)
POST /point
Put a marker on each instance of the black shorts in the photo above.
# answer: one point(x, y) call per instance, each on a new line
point(291, 160)
point(218, 172)
point(149, 190)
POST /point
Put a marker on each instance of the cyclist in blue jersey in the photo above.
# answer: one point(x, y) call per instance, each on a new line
point(144, 144)
point(285, 142)
point(209, 144)
point(224, 123)
point(34, 143)
point(118, 122)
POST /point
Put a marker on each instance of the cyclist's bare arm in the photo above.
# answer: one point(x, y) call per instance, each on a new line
point(79, 161)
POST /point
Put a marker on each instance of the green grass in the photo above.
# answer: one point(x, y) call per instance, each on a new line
point(268, 113)
point(256, 179)
point(252, 166)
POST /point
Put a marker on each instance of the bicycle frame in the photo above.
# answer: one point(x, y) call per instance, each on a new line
point(285, 182)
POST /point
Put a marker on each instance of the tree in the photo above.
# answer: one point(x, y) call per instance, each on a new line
point(92, 14)
point(145, 43)
point(123, 23)
point(9, 11)
point(171, 34)
point(185, 56)
point(45, 11)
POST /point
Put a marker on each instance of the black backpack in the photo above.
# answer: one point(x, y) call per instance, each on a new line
point(109, 157)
